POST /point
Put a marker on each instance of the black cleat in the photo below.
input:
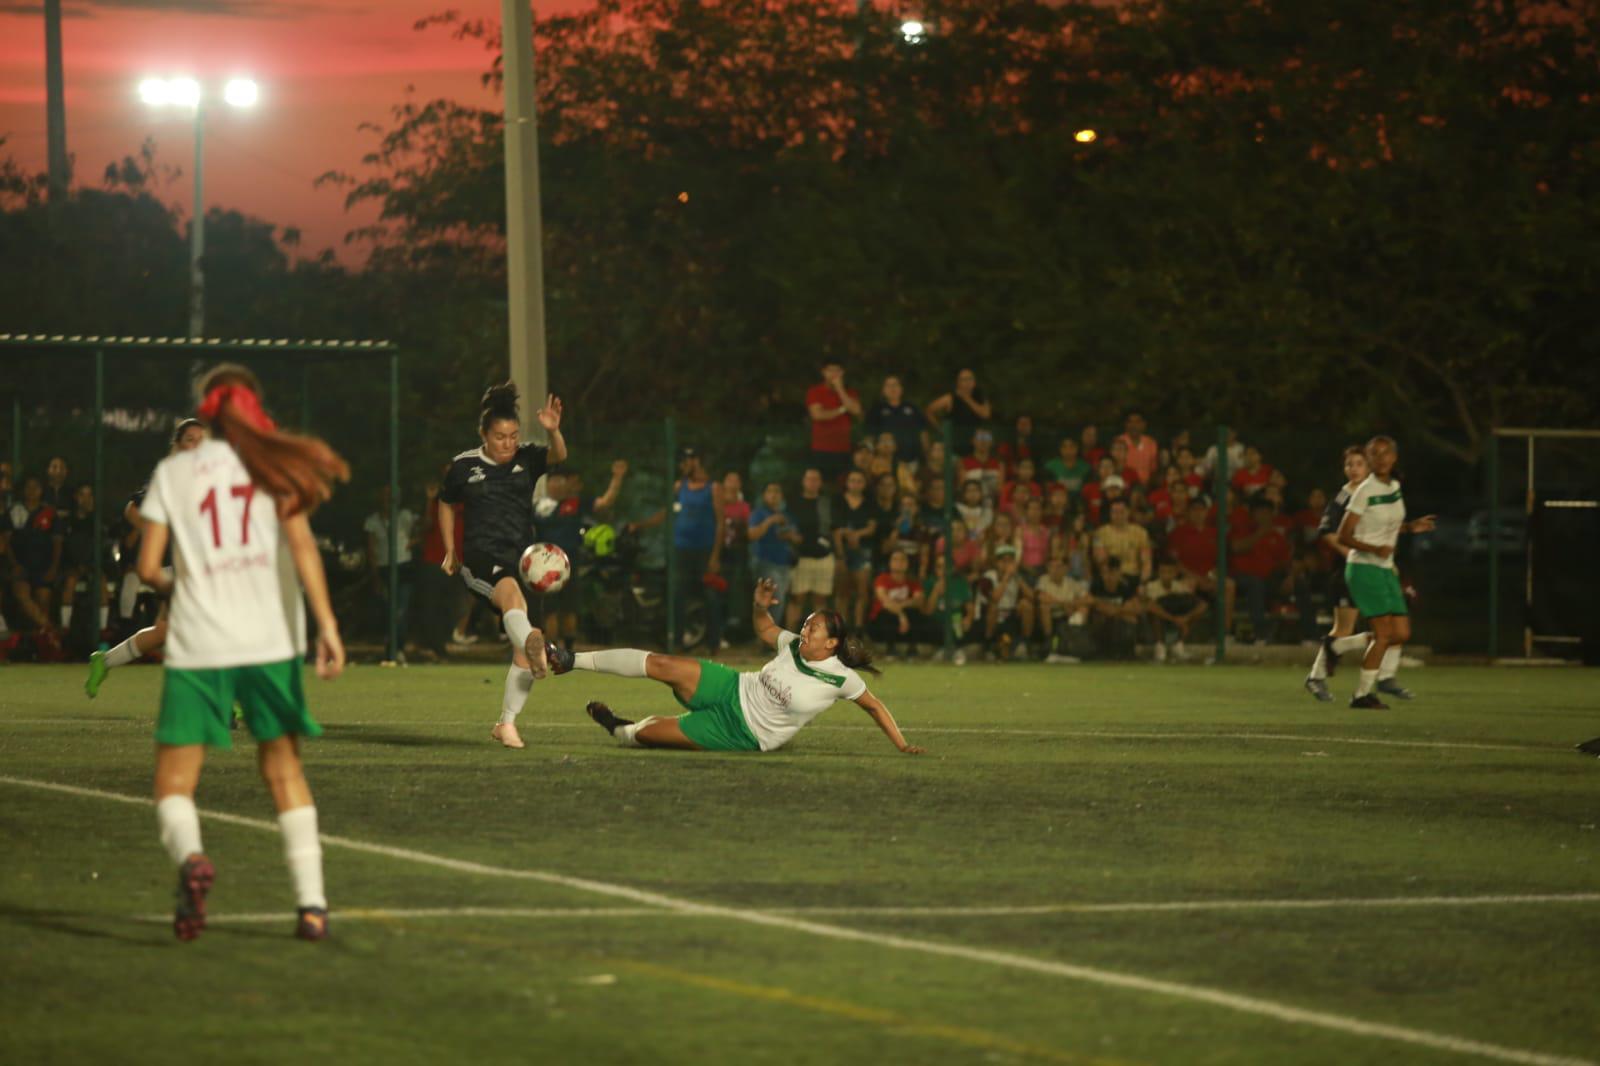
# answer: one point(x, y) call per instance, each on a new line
point(604, 718)
point(1369, 702)
point(1590, 747)
point(560, 658)
point(1329, 656)
point(312, 923)
point(1390, 687)
point(195, 877)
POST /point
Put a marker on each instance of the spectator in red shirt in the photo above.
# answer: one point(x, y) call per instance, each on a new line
point(1183, 458)
point(1019, 447)
point(1253, 476)
point(1141, 448)
point(1022, 477)
point(1308, 518)
point(1194, 545)
point(1089, 446)
point(1095, 492)
point(1056, 505)
point(1261, 561)
point(896, 613)
point(1119, 456)
point(832, 406)
point(1160, 495)
point(982, 465)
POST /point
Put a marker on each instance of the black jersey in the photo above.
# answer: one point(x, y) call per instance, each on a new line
point(498, 498)
point(1333, 514)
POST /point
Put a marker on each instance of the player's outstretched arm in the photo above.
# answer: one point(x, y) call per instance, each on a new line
point(880, 714)
point(308, 562)
point(766, 629)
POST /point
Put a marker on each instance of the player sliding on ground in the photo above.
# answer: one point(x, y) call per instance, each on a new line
point(235, 510)
point(730, 711)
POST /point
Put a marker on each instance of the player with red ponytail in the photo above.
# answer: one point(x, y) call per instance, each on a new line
point(236, 630)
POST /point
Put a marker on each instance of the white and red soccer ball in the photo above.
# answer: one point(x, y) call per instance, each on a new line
point(544, 568)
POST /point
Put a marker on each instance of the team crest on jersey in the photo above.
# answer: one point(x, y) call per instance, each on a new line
point(477, 474)
point(517, 469)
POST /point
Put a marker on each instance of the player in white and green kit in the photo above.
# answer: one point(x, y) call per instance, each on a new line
point(732, 711)
point(1373, 521)
point(235, 511)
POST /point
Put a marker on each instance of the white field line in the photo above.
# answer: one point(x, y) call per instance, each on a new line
point(1067, 734)
point(1291, 1015)
point(388, 913)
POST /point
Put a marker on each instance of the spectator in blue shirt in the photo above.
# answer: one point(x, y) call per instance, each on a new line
point(773, 537)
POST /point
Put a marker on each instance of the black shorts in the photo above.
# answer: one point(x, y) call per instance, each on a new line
point(1338, 591)
point(482, 571)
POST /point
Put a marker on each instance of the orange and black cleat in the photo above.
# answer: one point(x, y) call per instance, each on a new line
point(313, 924)
point(195, 877)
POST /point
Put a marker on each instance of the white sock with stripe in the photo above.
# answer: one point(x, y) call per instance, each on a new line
point(623, 662)
point(1390, 665)
point(180, 827)
point(302, 850)
point(127, 651)
point(627, 734)
point(519, 682)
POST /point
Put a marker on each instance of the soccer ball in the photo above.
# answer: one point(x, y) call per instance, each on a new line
point(545, 568)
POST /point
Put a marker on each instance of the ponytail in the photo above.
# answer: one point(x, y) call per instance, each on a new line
point(852, 650)
point(499, 402)
point(297, 471)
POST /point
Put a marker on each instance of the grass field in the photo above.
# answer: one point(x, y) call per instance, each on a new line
point(1091, 865)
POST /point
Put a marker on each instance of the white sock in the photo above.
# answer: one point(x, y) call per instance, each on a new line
point(517, 627)
point(1390, 665)
point(1319, 666)
point(519, 682)
point(1369, 678)
point(626, 734)
point(1345, 645)
point(623, 662)
point(127, 651)
point(180, 827)
point(302, 850)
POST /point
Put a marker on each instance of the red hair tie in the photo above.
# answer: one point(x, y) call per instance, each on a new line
point(245, 404)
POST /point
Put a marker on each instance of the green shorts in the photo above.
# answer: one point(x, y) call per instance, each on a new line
point(716, 720)
point(1375, 590)
point(197, 705)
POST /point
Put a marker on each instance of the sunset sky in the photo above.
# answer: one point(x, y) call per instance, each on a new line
point(325, 66)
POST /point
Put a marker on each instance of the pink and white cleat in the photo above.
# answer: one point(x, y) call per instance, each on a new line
point(506, 733)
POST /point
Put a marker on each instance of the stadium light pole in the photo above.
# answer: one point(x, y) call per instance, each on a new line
point(524, 224)
point(186, 92)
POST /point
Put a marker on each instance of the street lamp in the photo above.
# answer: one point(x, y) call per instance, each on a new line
point(1086, 136)
point(913, 31)
point(186, 92)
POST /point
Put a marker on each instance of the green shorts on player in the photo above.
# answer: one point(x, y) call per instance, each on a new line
point(1375, 590)
point(197, 705)
point(716, 718)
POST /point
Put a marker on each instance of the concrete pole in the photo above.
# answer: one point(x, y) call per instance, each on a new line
point(524, 227)
point(197, 229)
point(55, 102)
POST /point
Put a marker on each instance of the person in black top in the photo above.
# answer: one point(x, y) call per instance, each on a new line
point(1340, 639)
point(494, 483)
point(189, 433)
point(901, 420)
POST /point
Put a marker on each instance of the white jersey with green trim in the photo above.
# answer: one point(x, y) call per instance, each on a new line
point(1382, 512)
point(236, 598)
point(789, 692)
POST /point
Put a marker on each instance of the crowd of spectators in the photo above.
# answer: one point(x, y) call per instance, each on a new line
point(1058, 545)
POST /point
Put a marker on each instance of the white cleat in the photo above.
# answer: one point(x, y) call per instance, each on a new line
point(506, 733)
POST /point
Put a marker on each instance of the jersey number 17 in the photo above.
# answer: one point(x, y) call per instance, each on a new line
point(208, 506)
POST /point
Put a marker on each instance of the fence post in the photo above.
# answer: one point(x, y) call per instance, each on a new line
point(16, 440)
point(948, 437)
point(673, 577)
point(1493, 459)
point(395, 650)
point(96, 578)
point(1219, 492)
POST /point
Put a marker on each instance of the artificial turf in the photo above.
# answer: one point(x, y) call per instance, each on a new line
point(1053, 787)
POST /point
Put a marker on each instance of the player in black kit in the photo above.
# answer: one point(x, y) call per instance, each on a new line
point(495, 483)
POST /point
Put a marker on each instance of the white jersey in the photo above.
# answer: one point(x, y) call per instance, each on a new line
point(789, 692)
point(1382, 511)
point(236, 600)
